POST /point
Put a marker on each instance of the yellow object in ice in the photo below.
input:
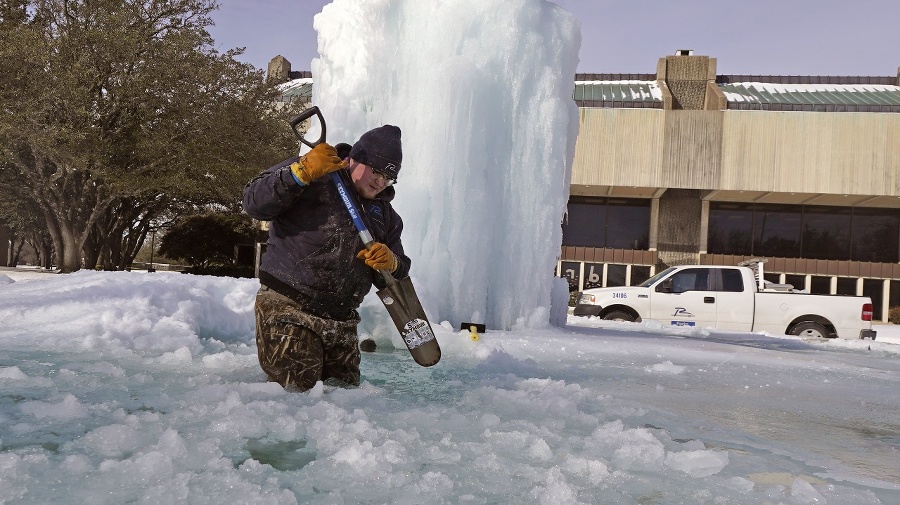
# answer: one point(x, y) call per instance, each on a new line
point(473, 334)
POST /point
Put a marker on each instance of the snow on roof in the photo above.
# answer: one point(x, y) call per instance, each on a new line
point(295, 82)
point(621, 90)
point(851, 94)
point(296, 87)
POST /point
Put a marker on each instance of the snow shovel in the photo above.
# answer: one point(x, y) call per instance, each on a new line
point(398, 297)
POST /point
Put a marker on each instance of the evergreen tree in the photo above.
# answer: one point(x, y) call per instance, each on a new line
point(115, 111)
point(207, 239)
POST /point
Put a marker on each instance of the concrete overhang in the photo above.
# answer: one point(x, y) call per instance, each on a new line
point(766, 197)
point(615, 191)
point(882, 201)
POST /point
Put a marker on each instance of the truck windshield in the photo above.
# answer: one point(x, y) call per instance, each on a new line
point(649, 282)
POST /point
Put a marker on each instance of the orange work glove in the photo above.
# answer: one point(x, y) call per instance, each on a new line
point(322, 160)
point(379, 257)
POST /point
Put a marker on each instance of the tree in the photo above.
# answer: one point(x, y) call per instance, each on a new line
point(24, 221)
point(118, 108)
point(207, 239)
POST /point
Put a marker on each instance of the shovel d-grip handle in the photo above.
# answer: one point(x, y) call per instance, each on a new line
point(308, 113)
point(364, 234)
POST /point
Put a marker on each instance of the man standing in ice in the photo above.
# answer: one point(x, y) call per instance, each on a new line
point(316, 270)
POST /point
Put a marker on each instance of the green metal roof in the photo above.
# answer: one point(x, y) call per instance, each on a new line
point(620, 93)
point(296, 89)
point(812, 97)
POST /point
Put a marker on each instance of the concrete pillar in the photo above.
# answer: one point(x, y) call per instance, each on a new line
point(704, 225)
point(679, 227)
point(581, 276)
point(687, 79)
point(654, 224)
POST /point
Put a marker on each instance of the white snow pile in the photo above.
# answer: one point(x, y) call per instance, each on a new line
point(121, 387)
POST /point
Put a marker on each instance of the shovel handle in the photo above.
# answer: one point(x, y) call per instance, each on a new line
point(364, 234)
point(308, 113)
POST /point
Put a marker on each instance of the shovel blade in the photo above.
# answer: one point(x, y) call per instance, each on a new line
point(402, 303)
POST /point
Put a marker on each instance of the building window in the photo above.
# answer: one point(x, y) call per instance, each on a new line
point(616, 223)
point(826, 233)
point(628, 224)
point(846, 286)
point(615, 275)
point(875, 235)
point(730, 228)
point(819, 285)
point(804, 231)
point(874, 289)
point(798, 281)
point(776, 231)
point(639, 274)
point(585, 225)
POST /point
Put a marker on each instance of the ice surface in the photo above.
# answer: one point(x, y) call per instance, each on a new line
point(96, 411)
point(483, 93)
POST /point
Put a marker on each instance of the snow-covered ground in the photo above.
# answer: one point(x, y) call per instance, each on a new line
point(136, 387)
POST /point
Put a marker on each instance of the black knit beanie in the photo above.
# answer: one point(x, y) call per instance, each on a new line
point(380, 149)
point(343, 150)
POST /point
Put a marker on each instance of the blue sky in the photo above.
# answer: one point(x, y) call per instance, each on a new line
point(782, 37)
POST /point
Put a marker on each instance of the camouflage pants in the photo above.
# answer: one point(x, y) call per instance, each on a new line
point(296, 349)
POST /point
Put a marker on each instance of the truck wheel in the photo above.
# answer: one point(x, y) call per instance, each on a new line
point(618, 315)
point(810, 329)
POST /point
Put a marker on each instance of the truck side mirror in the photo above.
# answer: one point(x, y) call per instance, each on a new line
point(664, 286)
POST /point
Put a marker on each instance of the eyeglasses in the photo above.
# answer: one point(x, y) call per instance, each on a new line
point(381, 175)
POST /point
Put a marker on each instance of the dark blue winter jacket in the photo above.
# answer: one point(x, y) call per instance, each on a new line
point(312, 247)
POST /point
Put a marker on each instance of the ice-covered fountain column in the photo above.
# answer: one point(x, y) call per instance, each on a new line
point(482, 90)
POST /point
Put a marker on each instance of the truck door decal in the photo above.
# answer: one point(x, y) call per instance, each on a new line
point(682, 312)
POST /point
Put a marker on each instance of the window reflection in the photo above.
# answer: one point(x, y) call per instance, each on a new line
point(798, 281)
point(826, 233)
point(875, 235)
point(690, 279)
point(846, 286)
point(732, 280)
point(628, 224)
point(796, 231)
point(584, 225)
point(776, 231)
point(639, 274)
point(874, 289)
point(615, 275)
point(731, 228)
point(618, 223)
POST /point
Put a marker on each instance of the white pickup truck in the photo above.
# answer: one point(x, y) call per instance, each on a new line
point(730, 298)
